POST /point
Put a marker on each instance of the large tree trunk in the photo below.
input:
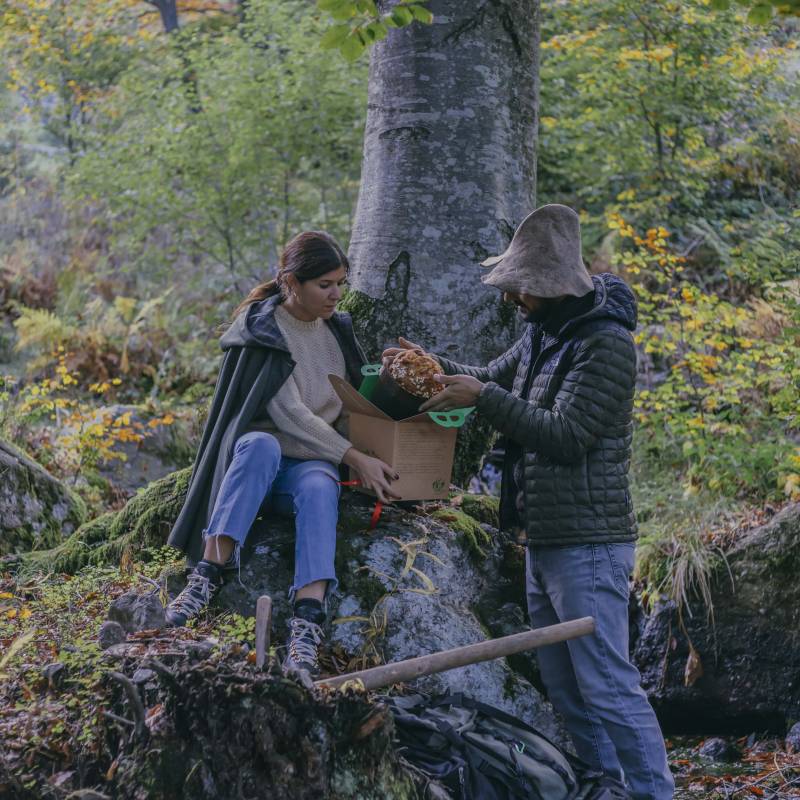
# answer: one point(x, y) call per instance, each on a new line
point(449, 170)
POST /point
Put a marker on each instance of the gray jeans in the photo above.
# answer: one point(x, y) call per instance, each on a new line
point(591, 680)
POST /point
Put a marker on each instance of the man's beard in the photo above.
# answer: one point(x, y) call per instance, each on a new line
point(541, 313)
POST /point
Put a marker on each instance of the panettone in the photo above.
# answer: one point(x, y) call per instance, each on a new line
point(413, 372)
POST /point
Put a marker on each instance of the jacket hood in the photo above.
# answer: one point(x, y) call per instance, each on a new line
point(613, 300)
point(255, 326)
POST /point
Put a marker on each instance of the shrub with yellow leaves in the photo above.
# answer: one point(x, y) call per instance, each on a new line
point(720, 398)
point(66, 432)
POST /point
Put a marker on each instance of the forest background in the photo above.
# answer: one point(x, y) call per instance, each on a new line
point(153, 163)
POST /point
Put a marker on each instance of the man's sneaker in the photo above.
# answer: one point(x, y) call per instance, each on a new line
point(305, 637)
point(201, 585)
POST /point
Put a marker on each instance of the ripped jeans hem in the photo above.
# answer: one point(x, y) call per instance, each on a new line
point(234, 560)
point(329, 589)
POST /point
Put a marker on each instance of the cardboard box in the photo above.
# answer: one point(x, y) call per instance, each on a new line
point(420, 449)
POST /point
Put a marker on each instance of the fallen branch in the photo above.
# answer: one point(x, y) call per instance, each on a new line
point(116, 718)
point(161, 669)
point(134, 700)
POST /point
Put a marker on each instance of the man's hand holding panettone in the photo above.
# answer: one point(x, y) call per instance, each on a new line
point(389, 353)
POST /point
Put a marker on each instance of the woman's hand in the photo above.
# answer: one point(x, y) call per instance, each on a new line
point(373, 473)
point(460, 391)
point(389, 353)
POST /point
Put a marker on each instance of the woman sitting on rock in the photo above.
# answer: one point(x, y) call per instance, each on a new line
point(276, 433)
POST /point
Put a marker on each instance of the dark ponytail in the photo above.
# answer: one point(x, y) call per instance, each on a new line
point(309, 255)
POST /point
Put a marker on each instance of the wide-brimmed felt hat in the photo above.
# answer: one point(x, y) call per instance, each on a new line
point(544, 257)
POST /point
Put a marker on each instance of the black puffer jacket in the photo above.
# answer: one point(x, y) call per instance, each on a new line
point(574, 425)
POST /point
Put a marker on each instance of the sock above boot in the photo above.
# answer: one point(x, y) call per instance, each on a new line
point(310, 609)
point(210, 570)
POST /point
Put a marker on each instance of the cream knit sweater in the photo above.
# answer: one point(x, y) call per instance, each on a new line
point(304, 411)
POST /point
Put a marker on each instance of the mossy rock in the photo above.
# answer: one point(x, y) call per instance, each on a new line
point(145, 521)
point(36, 509)
point(475, 538)
point(481, 507)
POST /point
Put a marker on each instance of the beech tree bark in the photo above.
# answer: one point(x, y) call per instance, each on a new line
point(449, 171)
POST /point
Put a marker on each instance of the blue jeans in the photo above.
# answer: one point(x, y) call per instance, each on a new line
point(590, 680)
point(307, 489)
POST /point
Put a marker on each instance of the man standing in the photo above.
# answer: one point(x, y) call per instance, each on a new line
point(562, 397)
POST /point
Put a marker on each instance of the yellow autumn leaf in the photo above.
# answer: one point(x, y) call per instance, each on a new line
point(791, 488)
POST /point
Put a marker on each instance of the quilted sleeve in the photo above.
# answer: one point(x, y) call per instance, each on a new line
point(501, 370)
point(595, 392)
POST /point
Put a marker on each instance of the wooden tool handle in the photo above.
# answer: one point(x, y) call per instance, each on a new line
point(412, 668)
point(263, 624)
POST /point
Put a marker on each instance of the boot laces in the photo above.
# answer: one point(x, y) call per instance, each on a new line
point(305, 639)
point(195, 596)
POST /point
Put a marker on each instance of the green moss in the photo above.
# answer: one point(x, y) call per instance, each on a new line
point(473, 535)
point(145, 521)
point(482, 508)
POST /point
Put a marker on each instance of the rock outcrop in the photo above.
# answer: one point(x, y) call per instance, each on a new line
point(36, 510)
point(145, 521)
point(410, 587)
point(750, 653)
point(416, 584)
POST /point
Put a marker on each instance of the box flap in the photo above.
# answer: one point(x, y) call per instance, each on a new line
point(353, 401)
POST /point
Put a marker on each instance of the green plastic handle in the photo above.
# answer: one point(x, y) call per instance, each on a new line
point(370, 373)
point(454, 418)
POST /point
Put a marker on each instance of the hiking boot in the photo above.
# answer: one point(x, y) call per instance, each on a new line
point(201, 585)
point(305, 637)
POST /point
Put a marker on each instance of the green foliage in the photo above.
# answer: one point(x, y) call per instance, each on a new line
point(69, 435)
point(721, 394)
point(63, 56)
point(234, 629)
point(648, 108)
point(147, 343)
point(221, 144)
point(683, 116)
point(359, 23)
point(680, 551)
point(109, 338)
point(761, 11)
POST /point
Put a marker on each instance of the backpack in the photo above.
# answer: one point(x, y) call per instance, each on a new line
point(481, 753)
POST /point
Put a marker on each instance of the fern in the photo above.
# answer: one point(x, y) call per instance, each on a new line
point(42, 330)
